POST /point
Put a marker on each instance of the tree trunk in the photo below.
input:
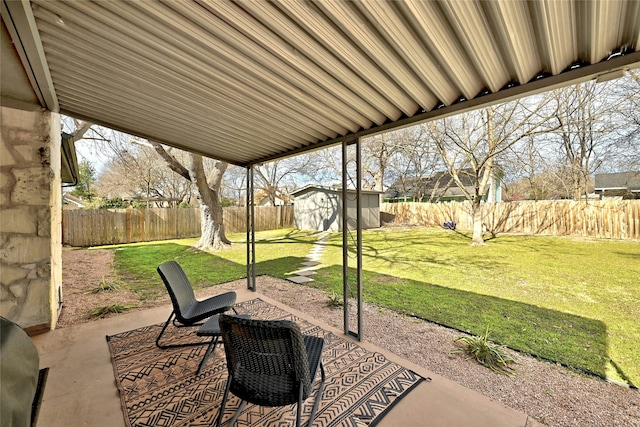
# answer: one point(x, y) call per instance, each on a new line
point(476, 215)
point(483, 181)
point(212, 225)
point(208, 194)
point(213, 235)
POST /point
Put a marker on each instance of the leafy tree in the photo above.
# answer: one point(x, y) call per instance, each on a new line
point(84, 189)
point(115, 203)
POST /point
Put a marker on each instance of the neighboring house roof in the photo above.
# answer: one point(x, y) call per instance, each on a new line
point(618, 181)
point(72, 200)
point(309, 188)
point(441, 183)
point(261, 198)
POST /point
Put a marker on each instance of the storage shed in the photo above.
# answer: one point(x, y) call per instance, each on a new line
point(320, 208)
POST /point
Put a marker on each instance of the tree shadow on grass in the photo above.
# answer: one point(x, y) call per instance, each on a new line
point(136, 266)
point(573, 341)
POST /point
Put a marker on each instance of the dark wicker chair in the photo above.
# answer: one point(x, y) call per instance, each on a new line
point(187, 310)
point(270, 363)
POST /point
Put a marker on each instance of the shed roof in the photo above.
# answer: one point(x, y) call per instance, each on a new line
point(325, 189)
point(250, 81)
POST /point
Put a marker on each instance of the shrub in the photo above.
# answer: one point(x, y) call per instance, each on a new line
point(493, 356)
point(335, 300)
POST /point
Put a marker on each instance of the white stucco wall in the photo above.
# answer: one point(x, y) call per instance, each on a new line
point(30, 218)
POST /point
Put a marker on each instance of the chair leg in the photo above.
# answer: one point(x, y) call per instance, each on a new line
point(237, 414)
point(164, 328)
point(300, 403)
point(318, 396)
point(207, 354)
point(224, 402)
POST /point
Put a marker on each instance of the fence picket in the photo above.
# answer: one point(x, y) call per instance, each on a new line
point(612, 219)
point(116, 226)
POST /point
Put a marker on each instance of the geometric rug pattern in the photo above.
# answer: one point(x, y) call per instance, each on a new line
point(160, 388)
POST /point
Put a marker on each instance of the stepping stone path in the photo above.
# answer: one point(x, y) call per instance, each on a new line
point(312, 261)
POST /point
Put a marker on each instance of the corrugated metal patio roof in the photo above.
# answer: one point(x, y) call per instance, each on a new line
point(251, 81)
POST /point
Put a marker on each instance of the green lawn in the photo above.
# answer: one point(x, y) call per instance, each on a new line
point(575, 301)
point(277, 253)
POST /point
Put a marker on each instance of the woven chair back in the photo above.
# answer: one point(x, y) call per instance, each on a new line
point(266, 360)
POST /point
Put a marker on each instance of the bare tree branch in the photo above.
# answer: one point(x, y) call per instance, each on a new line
point(171, 161)
point(81, 129)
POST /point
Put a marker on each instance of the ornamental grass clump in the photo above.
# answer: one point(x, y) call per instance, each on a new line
point(100, 312)
point(335, 300)
point(104, 286)
point(493, 356)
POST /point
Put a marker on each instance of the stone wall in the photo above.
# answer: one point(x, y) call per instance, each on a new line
point(30, 218)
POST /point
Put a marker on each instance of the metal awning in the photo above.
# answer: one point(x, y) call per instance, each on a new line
point(249, 81)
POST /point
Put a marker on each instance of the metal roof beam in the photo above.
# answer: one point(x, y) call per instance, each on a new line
point(20, 22)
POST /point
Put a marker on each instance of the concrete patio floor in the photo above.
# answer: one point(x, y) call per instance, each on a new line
point(81, 388)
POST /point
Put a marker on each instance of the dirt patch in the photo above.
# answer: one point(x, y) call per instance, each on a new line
point(83, 271)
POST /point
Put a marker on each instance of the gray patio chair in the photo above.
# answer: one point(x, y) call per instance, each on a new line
point(270, 363)
point(187, 310)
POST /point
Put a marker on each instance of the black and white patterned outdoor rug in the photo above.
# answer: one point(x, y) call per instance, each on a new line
point(161, 388)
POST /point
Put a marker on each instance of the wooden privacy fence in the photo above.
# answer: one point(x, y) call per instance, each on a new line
point(117, 226)
point(266, 218)
point(611, 219)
